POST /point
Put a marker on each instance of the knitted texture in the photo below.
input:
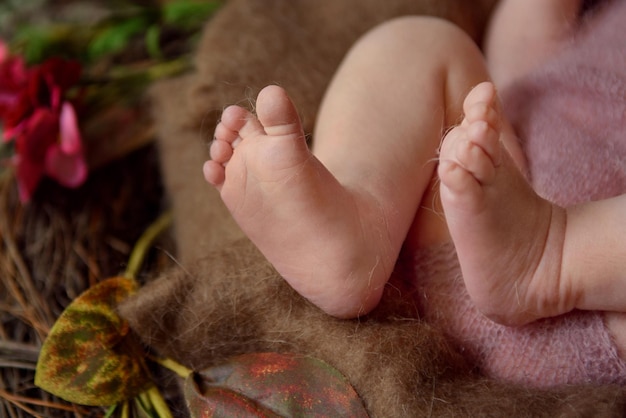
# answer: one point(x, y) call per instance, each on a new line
point(571, 349)
point(570, 114)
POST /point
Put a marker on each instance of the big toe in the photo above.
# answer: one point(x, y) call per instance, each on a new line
point(481, 105)
point(277, 113)
point(484, 92)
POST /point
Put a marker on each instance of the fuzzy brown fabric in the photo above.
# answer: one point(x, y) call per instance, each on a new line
point(233, 302)
point(225, 299)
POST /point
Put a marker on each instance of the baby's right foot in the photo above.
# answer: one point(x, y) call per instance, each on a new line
point(312, 229)
point(509, 240)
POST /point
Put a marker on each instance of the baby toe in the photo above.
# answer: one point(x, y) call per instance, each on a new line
point(481, 104)
point(484, 112)
point(221, 151)
point(277, 112)
point(214, 173)
point(226, 134)
point(487, 138)
point(459, 187)
point(238, 123)
point(475, 161)
point(234, 117)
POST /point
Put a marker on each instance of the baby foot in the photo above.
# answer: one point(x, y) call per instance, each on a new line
point(294, 210)
point(508, 239)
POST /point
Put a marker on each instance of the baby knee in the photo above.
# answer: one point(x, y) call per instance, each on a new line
point(418, 31)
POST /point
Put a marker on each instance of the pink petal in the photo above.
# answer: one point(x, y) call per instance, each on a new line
point(55, 95)
point(69, 170)
point(40, 131)
point(28, 177)
point(4, 51)
point(69, 132)
point(10, 134)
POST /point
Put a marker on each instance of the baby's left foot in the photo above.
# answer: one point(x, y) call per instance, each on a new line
point(509, 240)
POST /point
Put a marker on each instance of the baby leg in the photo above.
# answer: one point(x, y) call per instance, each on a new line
point(537, 27)
point(333, 221)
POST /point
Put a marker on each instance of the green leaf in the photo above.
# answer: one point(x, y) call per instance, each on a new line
point(90, 356)
point(40, 42)
point(153, 35)
point(114, 37)
point(272, 385)
point(32, 43)
point(109, 413)
point(189, 14)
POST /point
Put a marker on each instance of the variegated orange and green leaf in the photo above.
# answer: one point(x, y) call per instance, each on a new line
point(90, 356)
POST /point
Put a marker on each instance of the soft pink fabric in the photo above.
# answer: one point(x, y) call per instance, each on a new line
point(571, 114)
point(571, 118)
point(571, 349)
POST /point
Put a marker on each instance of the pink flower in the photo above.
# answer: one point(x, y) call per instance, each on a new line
point(64, 159)
point(13, 80)
point(41, 122)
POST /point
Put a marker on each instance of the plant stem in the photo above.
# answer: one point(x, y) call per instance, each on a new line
point(158, 403)
point(177, 368)
point(138, 255)
point(125, 410)
point(147, 71)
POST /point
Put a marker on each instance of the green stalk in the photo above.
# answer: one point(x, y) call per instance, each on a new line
point(111, 411)
point(175, 367)
point(138, 255)
point(158, 403)
point(125, 410)
point(150, 400)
